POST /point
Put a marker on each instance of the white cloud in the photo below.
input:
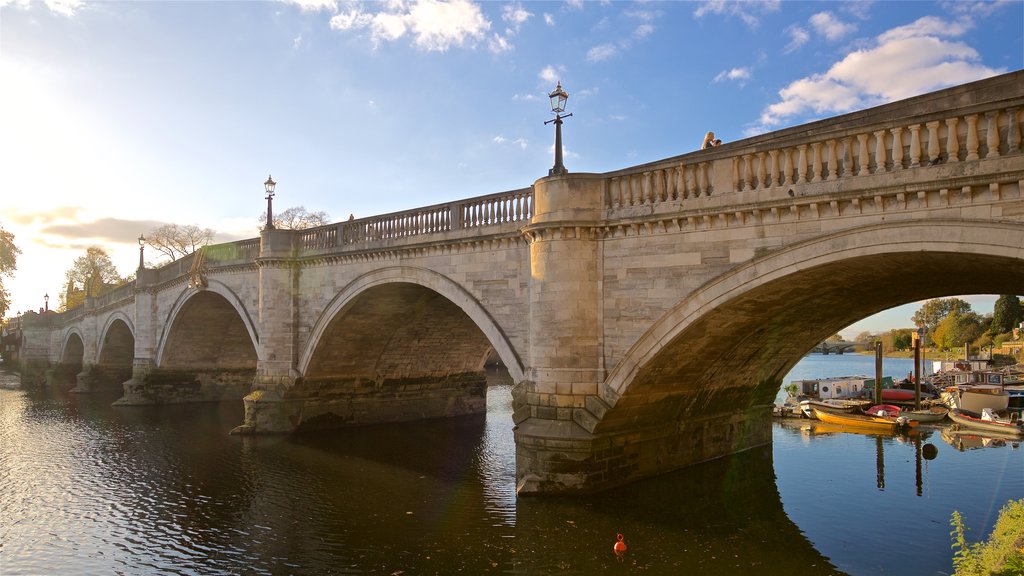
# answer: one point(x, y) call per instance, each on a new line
point(899, 63)
point(314, 5)
point(435, 25)
point(827, 25)
point(66, 8)
point(548, 74)
point(521, 142)
point(549, 19)
point(515, 15)
point(602, 52)
point(797, 38)
point(748, 12)
point(736, 74)
point(643, 31)
point(499, 44)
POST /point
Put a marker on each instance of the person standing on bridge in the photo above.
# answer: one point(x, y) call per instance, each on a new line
point(709, 141)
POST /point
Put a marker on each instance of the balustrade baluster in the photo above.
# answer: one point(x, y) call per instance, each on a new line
point(847, 161)
point(689, 189)
point(801, 164)
point(880, 153)
point(616, 189)
point(816, 161)
point(952, 140)
point(789, 167)
point(833, 160)
point(699, 179)
point(972, 137)
point(761, 170)
point(862, 155)
point(773, 173)
point(1012, 131)
point(748, 172)
point(897, 148)
point(992, 138)
point(915, 145)
point(933, 141)
point(645, 188)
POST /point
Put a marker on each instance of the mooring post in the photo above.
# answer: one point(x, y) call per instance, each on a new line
point(878, 372)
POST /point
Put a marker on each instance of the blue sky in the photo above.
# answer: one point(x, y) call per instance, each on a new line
point(116, 117)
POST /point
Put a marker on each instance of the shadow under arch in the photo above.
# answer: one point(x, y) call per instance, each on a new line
point(427, 279)
point(72, 351)
point(727, 345)
point(112, 344)
point(183, 301)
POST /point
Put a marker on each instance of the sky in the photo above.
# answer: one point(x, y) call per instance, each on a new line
point(118, 117)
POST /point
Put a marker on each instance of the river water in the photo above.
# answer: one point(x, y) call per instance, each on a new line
point(86, 488)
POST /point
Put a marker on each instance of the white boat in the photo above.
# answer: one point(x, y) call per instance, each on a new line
point(832, 405)
point(988, 422)
point(976, 397)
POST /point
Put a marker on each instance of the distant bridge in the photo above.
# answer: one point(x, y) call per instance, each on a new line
point(835, 346)
point(646, 315)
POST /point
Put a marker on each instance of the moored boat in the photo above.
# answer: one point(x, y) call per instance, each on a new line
point(926, 415)
point(976, 397)
point(987, 422)
point(835, 406)
point(865, 422)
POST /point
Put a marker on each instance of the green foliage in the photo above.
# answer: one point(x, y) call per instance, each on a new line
point(958, 328)
point(934, 311)
point(1001, 555)
point(8, 263)
point(1006, 313)
point(791, 389)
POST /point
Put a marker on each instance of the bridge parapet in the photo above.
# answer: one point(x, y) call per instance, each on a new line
point(963, 124)
point(479, 213)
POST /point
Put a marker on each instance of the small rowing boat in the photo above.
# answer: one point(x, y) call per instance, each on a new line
point(927, 415)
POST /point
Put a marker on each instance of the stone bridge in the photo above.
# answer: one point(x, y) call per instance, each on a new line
point(646, 315)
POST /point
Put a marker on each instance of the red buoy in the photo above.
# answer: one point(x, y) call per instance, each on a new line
point(620, 546)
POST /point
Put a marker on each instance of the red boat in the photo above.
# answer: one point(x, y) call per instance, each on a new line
point(897, 394)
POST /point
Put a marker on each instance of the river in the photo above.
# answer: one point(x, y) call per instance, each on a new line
point(86, 488)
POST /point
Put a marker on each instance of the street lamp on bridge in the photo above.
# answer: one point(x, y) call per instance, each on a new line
point(46, 302)
point(269, 186)
point(558, 99)
point(142, 247)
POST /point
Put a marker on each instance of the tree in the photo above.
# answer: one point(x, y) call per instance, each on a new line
point(1006, 314)
point(835, 338)
point(175, 241)
point(957, 329)
point(8, 263)
point(297, 218)
point(934, 311)
point(865, 337)
point(94, 272)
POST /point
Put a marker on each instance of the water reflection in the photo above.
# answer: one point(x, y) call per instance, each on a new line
point(90, 489)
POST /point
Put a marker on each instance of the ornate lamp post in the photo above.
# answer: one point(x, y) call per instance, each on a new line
point(46, 302)
point(558, 99)
point(142, 247)
point(269, 186)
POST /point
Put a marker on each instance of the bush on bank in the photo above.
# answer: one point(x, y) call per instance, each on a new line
point(1001, 555)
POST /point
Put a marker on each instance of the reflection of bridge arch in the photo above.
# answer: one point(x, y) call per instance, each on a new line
point(450, 324)
point(208, 328)
point(729, 343)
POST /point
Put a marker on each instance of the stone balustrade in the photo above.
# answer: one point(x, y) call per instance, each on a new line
point(840, 149)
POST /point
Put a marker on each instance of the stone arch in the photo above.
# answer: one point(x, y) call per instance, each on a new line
point(117, 340)
point(729, 343)
point(72, 351)
point(234, 331)
point(182, 303)
point(428, 279)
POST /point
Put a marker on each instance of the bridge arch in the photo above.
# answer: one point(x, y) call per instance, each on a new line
point(117, 341)
point(729, 343)
point(418, 283)
point(72, 352)
point(208, 328)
